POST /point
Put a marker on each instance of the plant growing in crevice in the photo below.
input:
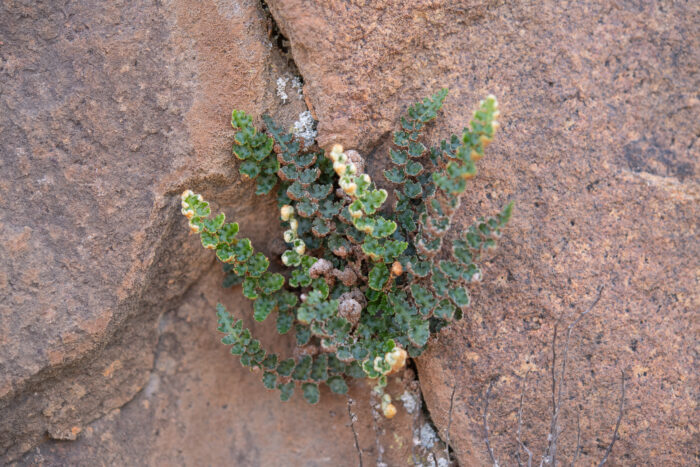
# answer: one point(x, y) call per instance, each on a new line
point(366, 286)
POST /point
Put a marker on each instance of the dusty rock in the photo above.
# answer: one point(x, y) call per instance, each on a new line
point(107, 110)
point(599, 150)
point(201, 407)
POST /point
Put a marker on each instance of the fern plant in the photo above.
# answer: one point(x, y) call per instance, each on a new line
point(366, 286)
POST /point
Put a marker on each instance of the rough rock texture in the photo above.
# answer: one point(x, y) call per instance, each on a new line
point(201, 407)
point(107, 110)
point(599, 149)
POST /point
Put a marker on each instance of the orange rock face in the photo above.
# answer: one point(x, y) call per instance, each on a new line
point(106, 112)
point(109, 111)
point(200, 406)
point(599, 150)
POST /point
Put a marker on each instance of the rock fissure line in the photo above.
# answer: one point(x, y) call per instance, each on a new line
point(280, 41)
point(285, 48)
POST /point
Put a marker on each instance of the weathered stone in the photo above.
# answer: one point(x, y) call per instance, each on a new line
point(598, 149)
point(107, 110)
point(201, 407)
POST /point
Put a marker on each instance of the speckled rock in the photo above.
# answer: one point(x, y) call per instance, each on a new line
point(599, 150)
point(107, 110)
point(201, 407)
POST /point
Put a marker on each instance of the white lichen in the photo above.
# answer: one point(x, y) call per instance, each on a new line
point(305, 128)
point(427, 436)
point(281, 89)
point(441, 462)
point(296, 84)
point(410, 401)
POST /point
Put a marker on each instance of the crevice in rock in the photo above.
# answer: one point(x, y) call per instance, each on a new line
point(138, 328)
point(279, 40)
point(152, 329)
point(427, 434)
point(284, 46)
point(167, 230)
point(274, 32)
point(379, 144)
point(290, 84)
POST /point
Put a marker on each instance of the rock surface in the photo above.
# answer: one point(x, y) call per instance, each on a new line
point(201, 407)
point(108, 110)
point(599, 150)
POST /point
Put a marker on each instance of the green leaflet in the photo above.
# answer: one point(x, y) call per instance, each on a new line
point(383, 250)
point(257, 264)
point(302, 369)
point(263, 306)
point(284, 322)
point(269, 379)
point(227, 233)
point(398, 157)
point(308, 176)
point(337, 385)
point(412, 189)
point(319, 284)
point(460, 297)
point(289, 173)
point(378, 276)
point(445, 310)
point(415, 150)
point(424, 299)
point(270, 362)
point(419, 268)
point(285, 367)
point(452, 270)
point(286, 391)
point(311, 393)
point(413, 169)
point(401, 139)
point(303, 334)
point(395, 175)
point(320, 228)
point(319, 369)
point(307, 207)
point(270, 283)
point(250, 286)
point(440, 282)
point(419, 333)
point(296, 191)
point(319, 191)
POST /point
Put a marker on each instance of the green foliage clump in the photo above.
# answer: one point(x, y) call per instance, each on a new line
point(366, 286)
